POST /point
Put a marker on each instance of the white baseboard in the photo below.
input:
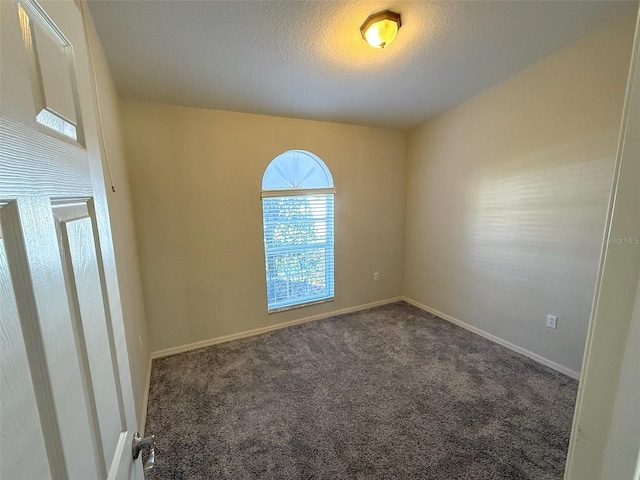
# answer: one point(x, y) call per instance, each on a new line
point(498, 340)
point(145, 399)
point(257, 331)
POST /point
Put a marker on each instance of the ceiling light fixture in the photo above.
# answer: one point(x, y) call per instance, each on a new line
point(380, 29)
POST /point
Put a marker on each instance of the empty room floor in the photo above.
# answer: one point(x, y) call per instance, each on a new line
point(386, 393)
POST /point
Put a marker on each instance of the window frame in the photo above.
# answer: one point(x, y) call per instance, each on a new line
point(329, 245)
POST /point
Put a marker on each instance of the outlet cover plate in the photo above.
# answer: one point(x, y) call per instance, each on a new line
point(552, 321)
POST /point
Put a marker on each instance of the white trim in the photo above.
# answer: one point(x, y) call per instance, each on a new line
point(300, 305)
point(590, 420)
point(145, 398)
point(498, 340)
point(257, 331)
point(116, 463)
point(297, 193)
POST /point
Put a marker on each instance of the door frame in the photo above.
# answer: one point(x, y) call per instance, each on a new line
point(607, 375)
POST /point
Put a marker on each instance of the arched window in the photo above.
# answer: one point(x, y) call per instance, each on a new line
point(297, 213)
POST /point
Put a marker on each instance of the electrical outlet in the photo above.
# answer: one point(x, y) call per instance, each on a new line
point(376, 276)
point(140, 341)
point(552, 321)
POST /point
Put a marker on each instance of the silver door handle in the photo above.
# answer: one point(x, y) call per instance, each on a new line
point(150, 464)
point(146, 443)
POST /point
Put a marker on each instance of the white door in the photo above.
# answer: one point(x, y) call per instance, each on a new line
point(66, 409)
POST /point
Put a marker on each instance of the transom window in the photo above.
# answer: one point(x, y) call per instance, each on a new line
point(297, 212)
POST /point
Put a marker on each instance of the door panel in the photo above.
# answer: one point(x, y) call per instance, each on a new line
point(51, 68)
point(87, 297)
point(18, 412)
point(36, 273)
point(15, 69)
point(67, 403)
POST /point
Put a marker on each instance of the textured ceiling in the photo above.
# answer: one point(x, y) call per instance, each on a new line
point(306, 59)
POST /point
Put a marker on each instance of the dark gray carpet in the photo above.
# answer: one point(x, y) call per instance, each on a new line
point(386, 393)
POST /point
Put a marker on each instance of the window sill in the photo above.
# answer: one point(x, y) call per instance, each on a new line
point(300, 305)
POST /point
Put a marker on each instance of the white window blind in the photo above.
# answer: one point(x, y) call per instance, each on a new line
point(298, 242)
point(297, 210)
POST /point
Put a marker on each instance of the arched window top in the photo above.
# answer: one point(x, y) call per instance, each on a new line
point(298, 170)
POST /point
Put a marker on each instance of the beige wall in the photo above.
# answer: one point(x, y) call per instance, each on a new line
point(507, 197)
point(505, 203)
point(196, 177)
point(122, 227)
